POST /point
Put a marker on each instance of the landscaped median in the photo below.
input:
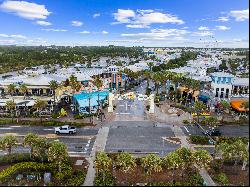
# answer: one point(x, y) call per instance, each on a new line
point(43, 123)
point(176, 168)
point(22, 169)
point(230, 165)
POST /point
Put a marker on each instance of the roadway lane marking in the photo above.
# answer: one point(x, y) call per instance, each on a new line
point(15, 126)
point(186, 129)
point(48, 129)
point(6, 128)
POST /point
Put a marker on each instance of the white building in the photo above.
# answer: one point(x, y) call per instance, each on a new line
point(221, 84)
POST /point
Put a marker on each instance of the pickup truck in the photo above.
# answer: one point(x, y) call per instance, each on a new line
point(66, 129)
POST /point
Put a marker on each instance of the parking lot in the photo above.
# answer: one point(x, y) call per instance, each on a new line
point(139, 137)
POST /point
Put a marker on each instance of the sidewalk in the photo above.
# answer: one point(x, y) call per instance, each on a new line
point(99, 145)
point(161, 117)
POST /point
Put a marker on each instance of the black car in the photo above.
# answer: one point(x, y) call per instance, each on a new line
point(214, 132)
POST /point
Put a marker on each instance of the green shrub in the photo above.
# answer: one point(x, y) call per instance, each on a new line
point(55, 115)
point(14, 158)
point(231, 140)
point(66, 171)
point(217, 165)
point(199, 139)
point(196, 179)
point(25, 166)
point(222, 179)
point(76, 180)
point(104, 179)
point(45, 123)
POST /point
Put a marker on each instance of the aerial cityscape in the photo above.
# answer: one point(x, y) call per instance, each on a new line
point(124, 93)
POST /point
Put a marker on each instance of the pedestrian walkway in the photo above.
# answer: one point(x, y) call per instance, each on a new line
point(184, 143)
point(99, 145)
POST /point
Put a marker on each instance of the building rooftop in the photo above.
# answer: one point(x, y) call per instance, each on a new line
point(221, 74)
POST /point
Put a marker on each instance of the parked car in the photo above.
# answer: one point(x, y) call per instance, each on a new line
point(66, 129)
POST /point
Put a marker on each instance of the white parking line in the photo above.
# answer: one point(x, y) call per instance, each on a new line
point(186, 129)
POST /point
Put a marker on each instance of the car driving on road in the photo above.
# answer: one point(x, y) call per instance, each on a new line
point(66, 129)
point(213, 132)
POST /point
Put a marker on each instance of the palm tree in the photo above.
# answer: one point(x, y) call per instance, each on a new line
point(40, 148)
point(11, 106)
point(211, 121)
point(202, 158)
point(75, 85)
point(157, 77)
point(125, 162)
point(30, 140)
point(102, 163)
point(150, 64)
point(57, 153)
point(147, 76)
point(151, 163)
point(98, 83)
point(225, 107)
point(24, 89)
point(8, 142)
point(40, 105)
point(53, 86)
point(11, 89)
point(172, 161)
point(199, 107)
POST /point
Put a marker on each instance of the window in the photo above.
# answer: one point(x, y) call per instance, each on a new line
point(222, 89)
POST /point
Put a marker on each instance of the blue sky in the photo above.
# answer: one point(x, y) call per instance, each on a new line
point(206, 23)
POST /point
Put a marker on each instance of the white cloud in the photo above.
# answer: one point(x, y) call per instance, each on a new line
point(144, 18)
point(240, 15)
point(104, 32)
point(76, 23)
point(223, 28)
point(96, 15)
point(204, 33)
point(123, 16)
point(7, 42)
point(202, 28)
point(223, 19)
point(55, 30)
point(18, 36)
point(137, 26)
point(25, 9)
point(84, 32)
point(159, 34)
point(124, 41)
point(43, 23)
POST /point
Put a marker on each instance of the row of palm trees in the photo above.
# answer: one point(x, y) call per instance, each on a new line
point(182, 159)
point(40, 148)
point(177, 79)
point(11, 106)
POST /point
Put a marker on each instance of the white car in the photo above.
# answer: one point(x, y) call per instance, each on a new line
point(66, 129)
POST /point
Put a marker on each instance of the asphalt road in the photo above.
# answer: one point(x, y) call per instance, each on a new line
point(80, 143)
point(226, 130)
point(139, 137)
